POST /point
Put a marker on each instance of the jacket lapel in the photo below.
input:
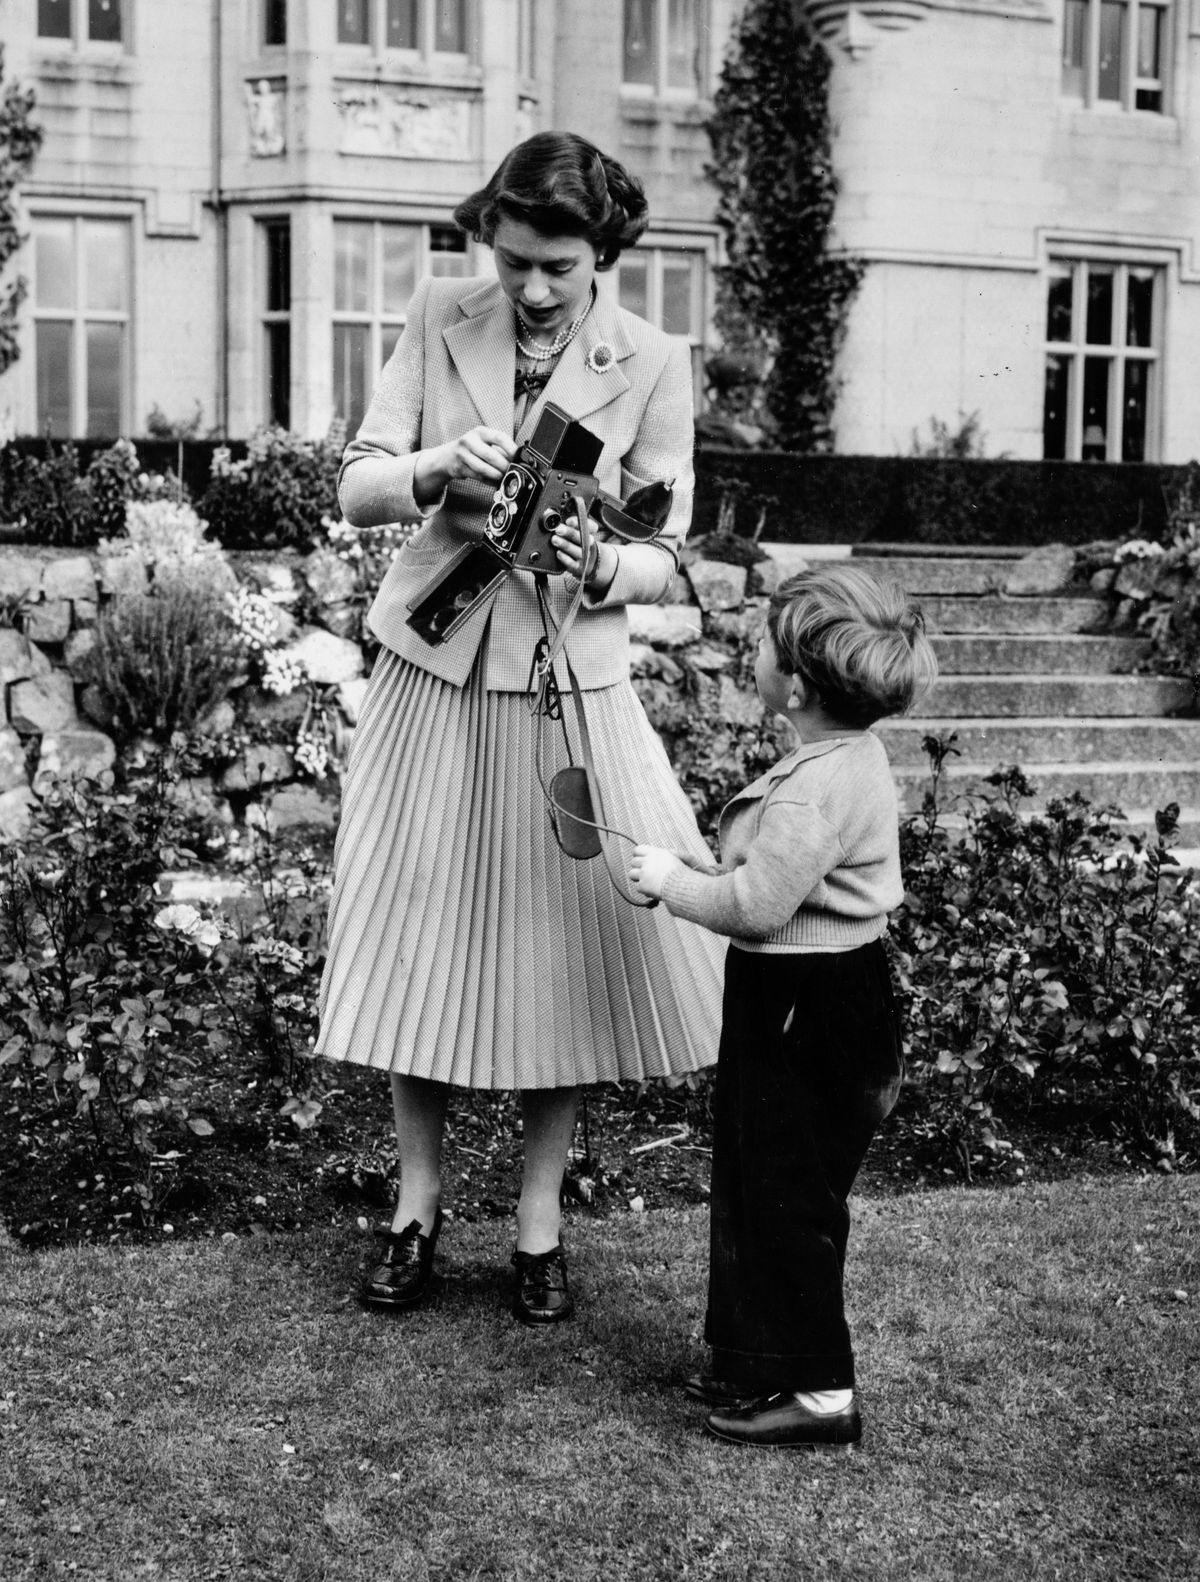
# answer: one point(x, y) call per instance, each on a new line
point(481, 344)
point(574, 386)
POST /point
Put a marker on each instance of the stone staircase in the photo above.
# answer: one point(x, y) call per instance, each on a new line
point(1024, 681)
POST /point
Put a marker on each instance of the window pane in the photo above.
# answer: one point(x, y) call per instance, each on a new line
point(1109, 65)
point(351, 260)
point(632, 284)
point(1054, 410)
point(278, 236)
point(1059, 299)
point(104, 24)
point(274, 21)
point(54, 380)
point(1149, 56)
point(1099, 306)
point(1134, 416)
point(105, 265)
point(400, 247)
point(401, 24)
point(54, 263)
point(639, 41)
point(104, 380)
point(450, 36)
point(354, 24)
point(1139, 321)
point(683, 44)
point(390, 335)
point(278, 370)
point(54, 18)
point(350, 373)
point(1074, 32)
point(679, 298)
point(448, 252)
point(1095, 408)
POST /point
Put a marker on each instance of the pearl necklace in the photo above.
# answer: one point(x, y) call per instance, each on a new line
point(560, 342)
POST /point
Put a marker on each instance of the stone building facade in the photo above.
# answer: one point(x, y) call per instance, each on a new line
point(235, 197)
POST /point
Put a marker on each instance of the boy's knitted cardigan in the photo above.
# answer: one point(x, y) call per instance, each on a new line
point(810, 854)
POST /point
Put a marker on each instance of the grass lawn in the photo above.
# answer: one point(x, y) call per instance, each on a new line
point(1028, 1359)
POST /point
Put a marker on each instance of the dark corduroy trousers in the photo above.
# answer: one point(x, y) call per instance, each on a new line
point(810, 1065)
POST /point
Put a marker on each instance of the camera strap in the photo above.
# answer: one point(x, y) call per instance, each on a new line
point(573, 794)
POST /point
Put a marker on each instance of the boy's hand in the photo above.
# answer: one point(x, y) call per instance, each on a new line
point(650, 867)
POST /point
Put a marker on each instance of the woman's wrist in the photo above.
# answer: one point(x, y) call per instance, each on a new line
point(430, 475)
point(605, 569)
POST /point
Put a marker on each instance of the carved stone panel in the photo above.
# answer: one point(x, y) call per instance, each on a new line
point(387, 123)
point(265, 116)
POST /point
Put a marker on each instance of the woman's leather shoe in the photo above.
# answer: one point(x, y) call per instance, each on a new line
point(717, 1392)
point(782, 1421)
point(541, 1294)
point(401, 1273)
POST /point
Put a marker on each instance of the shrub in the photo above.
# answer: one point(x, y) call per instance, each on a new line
point(278, 494)
point(110, 483)
point(44, 495)
point(1050, 950)
point(104, 1016)
point(164, 659)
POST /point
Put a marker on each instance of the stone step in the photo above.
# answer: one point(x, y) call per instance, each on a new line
point(1055, 615)
point(1129, 786)
point(1032, 742)
point(921, 577)
point(1038, 696)
point(967, 654)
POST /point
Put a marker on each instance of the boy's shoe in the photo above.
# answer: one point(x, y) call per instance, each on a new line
point(718, 1392)
point(781, 1421)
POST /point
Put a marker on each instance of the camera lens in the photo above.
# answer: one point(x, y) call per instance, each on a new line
point(498, 519)
point(510, 484)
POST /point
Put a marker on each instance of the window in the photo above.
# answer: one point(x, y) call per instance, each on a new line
point(662, 46)
point(426, 27)
point(277, 321)
point(375, 271)
point(1103, 335)
point(665, 285)
point(527, 38)
point(91, 21)
point(274, 22)
point(1114, 53)
point(81, 326)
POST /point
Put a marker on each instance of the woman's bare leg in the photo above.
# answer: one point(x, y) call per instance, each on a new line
point(548, 1115)
point(420, 1110)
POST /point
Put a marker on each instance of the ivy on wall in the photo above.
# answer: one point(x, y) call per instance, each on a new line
point(782, 298)
point(20, 140)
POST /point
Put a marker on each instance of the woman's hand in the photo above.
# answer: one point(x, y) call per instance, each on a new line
point(602, 558)
point(482, 455)
point(650, 867)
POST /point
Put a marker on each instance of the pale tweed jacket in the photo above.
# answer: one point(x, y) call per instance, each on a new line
point(453, 368)
point(810, 854)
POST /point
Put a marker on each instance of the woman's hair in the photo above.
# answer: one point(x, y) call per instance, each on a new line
point(561, 185)
point(854, 639)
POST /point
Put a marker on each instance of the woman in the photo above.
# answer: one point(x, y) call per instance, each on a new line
point(464, 948)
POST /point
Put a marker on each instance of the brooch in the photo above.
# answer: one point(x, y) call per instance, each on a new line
point(601, 357)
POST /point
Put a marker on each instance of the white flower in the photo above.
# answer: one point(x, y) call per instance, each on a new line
point(1136, 549)
point(255, 618)
point(601, 357)
point(198, 931)
point(287, 957)
point(283, 673)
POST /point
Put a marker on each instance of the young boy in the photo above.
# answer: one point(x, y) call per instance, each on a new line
point(810, 1060)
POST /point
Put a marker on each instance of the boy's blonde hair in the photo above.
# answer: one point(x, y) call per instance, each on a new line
point(855, 639)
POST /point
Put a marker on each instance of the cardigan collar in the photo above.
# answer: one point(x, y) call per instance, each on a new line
point(780, 771)
point(482, 343)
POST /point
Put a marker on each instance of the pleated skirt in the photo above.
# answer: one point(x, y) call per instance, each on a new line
point(463, 946)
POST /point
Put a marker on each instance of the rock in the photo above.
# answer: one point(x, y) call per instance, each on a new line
point(123, 572)
point(332, 579)
point(16, 813)
point(72, 578)
point(85, 611)
point(277, 708)
point(717, 585)
point(12, 760)
point(328, 659)
point(19, 658)
point(73, 755)
point(350, 697)
point(1048, 569)
point(48, 621)
point(195, 795)
point(741, 627)
point(301, 806)
point(95, 706)
point(218, 721)
point(344, 620)
point(737, 705)
point(264, 764)
point(664, 625)
point(1102, 581)
point(44, 705)
point(708, 658)
point(647, 661)
point(277, 583)
point(20, 578)
point(77, 648)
